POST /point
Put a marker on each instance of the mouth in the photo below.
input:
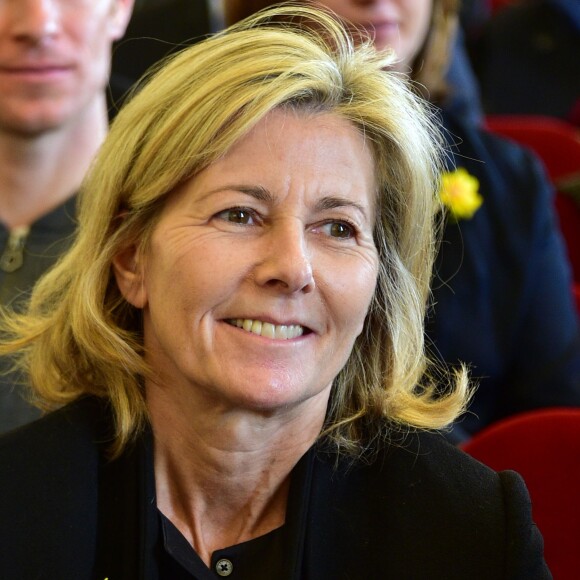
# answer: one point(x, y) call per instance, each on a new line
point(385, 24)
point(41, 71)
point(385, 28)
point(269, 330)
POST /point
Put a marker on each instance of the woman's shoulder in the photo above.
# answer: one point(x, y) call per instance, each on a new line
point(56, 455)
point(71, 429)
point(427, 455)
point(422, 476)
point(425, 468)
point(49, 493)
point(462, 518)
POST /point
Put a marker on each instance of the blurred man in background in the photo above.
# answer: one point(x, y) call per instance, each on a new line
point(55, 59)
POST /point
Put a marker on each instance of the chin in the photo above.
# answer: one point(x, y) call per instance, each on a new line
point(35, 127)
point(268, 401)
point(39, 118)
point(275, 399)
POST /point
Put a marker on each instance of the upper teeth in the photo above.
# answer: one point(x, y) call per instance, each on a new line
point(280, 331)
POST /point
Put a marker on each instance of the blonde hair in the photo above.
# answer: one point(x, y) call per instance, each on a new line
point(79, 336)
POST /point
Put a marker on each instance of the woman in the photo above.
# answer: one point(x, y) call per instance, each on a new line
point(502, 299)
point(239, 329)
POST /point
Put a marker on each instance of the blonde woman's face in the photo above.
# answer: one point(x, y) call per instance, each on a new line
point(261, 269)
point(398, 24)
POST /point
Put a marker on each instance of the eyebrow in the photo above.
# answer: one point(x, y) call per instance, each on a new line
point(332, 202)
point(327, 202)
point(256, 191)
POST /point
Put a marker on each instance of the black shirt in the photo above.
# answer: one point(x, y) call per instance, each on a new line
point(257, 559)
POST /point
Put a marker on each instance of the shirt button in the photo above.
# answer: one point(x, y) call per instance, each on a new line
point(224, 567)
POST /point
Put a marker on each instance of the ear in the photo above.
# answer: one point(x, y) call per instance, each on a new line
point(121, 11)
point(129, 274)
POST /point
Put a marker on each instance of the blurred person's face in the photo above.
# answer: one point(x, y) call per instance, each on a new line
point(261, 269)
point(55, 59)
point(402, 25)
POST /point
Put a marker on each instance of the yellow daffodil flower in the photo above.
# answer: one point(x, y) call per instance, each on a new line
point(459, 193)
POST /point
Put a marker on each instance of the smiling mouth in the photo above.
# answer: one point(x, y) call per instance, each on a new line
point(268, 330)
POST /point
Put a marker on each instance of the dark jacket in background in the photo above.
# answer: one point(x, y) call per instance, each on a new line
point(528, 60)
point(502, 288)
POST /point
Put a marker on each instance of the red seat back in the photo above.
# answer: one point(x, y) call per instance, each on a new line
point(544, 447)
point(557, 143)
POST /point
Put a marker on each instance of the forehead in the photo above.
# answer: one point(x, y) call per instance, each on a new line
point(312, 148)
point(293, 155)
point(299, 129)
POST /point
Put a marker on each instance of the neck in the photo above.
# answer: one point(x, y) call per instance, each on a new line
point(39, 172)
point(223, 476)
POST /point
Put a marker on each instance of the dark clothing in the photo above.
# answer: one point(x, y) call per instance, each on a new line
point(528, 59)
point(463, 98)
point(157, 31)
point(422, 509)
point(258, 559)
point(502, 288)
point(46, 241)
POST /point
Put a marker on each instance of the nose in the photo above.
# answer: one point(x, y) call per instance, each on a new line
point(286, 265)
point(36, 20)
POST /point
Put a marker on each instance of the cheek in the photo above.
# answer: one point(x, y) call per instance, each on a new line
point(352, 294)
point(420, 20)
point(93, 40)
point(366, 293)
point(190, 282)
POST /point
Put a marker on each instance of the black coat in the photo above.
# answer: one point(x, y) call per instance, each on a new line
point(424, 509)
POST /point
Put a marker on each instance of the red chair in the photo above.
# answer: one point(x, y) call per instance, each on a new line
point(557, 143)
point(569, 216)
point(544, 447)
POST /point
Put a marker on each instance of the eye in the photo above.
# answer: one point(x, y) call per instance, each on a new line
point(237, 215)
point(341, 230)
